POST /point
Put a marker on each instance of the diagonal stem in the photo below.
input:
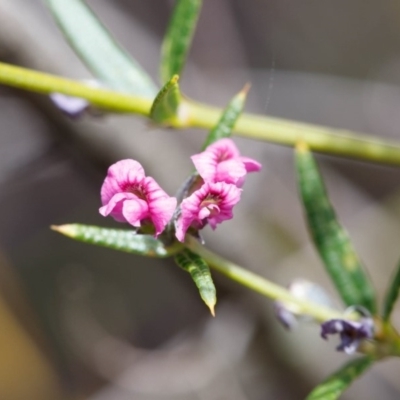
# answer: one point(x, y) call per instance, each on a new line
point(260, 284)
point(284, 132)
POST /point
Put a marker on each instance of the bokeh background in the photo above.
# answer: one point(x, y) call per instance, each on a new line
point(79, 322)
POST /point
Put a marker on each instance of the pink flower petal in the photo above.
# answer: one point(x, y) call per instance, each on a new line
point(206, 165)
point(114, 206)
point(212, 204)
point(162, 211)
point(221, 162)
point(225, 149)
point(135, 210)
point(250, 164)
point(129, 196)
point(230, 171)
point(161, 206)
point(120, 177)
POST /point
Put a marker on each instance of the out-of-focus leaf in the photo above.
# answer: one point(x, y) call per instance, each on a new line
point(337, 383)
point(104, 57)
point(201, 275)
point(178, 37)
point(231, 113)
point(118, 239)
point(331, 239)
point(391, 295)
point(166, 105)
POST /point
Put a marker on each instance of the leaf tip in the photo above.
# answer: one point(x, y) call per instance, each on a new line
point(302, 146)
point(55, 227)
point(67, 230)
point(175, 79)
point(211, 306)
point(246, 88)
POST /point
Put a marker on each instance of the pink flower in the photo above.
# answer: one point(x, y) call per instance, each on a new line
point(130, 196)
point(212, 203)
point(222, 162)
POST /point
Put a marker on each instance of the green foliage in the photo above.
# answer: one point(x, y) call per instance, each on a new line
point(330, 238)
point(391, 295)
point(166, 105)
point(228, 118)
point(337, 383)
point(118, 239)
point(98, 50)
point(201, 275)
point(178, 37)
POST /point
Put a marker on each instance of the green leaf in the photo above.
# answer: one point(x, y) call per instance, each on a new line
point(337, 383)
point(391, 295)
point(178, 37)
point(201, 275)
point(166, 105)
point(231, 113)
point(98, 50)
point(118, 239)
point(330, 238)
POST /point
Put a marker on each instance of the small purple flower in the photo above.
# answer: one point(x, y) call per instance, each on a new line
point(130, 196)
point(351, 332)
point(222, 162)
point(285, 317)
point(73, 107)
point(212, 203)
point(289, 313)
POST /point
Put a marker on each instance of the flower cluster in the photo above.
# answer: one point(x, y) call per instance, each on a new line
point(351, 333)
point(289, 313)
point(222, 170)
point(129, 196)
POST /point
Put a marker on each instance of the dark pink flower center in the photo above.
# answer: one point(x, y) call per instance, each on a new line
point(210, 199)
point(223, 156)
point(137, 189)
point(211, 202)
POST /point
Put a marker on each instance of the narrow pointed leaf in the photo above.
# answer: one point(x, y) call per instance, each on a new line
point(165, 107)
point(178, 37)
point(337, 383)
point(330, 238)
point(104, 57)
point(228, 118)
point(391, 295)
point(201, 275)
point(118, 239)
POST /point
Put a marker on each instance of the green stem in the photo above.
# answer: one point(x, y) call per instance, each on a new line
point(45, 83)
point(318, 138)
point(284, 132)
point(260, 284)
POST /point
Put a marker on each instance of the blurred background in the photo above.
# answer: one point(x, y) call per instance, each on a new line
point(79, 322)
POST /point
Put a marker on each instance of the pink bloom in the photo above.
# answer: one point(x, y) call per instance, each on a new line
point(212, 203)
point(222, 162)
point(130, 196)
